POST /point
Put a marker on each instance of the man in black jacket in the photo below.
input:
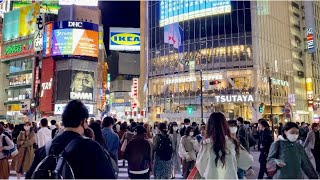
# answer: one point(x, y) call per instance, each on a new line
point(88, 159)
point(266, 140)
point(243, 135)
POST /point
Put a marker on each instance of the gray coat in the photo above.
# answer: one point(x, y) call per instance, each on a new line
point(296, 159)
point(308, 145)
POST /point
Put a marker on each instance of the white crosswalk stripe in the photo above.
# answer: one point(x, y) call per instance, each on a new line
point(123, 171)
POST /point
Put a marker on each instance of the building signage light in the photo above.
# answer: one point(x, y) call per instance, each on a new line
point(59, 108)
point(310, 97)
point(193, 79)
point(234, 98)
point(310, 39)
point(276, 81)
point(46, 86)
point(18, 49)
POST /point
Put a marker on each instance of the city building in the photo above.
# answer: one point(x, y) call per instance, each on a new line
point(243, 58)
point(124, 62)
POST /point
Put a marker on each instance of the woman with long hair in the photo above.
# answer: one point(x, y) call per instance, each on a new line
point(96, 128)
point(289, 157)
point(25, 156)
point(220, 154)
point(175, 135)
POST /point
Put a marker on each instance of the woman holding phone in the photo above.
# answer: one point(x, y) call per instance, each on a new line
point(290, 157)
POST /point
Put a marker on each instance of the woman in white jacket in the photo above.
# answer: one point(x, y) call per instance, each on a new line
point(188, 149)
point(220, 155)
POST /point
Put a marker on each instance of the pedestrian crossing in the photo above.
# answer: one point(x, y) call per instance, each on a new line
point(123, 171)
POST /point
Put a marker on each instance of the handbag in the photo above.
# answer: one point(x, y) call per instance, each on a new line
point(124, 145)
point(194, 174)
point(271, 168)
point(11, 153)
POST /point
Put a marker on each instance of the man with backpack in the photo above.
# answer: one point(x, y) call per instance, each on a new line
point(70, 155)
point(163, 153)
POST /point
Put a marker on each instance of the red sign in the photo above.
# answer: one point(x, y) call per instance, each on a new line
point(46, 86)
point(48, 40)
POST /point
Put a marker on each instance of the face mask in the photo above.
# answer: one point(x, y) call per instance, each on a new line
point(27, 128)
point(62, 127)
point(186, 126)
point(135, 133)
point(175, 128)
point(191, 133)
point(233, 130)
point(292, 137)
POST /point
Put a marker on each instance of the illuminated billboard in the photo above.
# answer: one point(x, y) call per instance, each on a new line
point(78, 42)
point(17, 49)
point(21, 22)
point(182, 10)
point(79, 2)
point(82, 84)
point(124, 39)
point(73, 38)
point(47, 6)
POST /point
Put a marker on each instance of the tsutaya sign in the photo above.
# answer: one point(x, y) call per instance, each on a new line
point(238, 98)
point(193, 79)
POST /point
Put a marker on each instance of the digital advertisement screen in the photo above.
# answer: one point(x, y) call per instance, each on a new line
point(82, 84)
point(182, 10)
point(63, 84)
point(78, 42)
point(20, 22)
point(47, 6)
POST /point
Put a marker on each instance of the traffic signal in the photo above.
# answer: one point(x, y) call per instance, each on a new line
point(261, 108)
point(189, 109)
point(215, 82)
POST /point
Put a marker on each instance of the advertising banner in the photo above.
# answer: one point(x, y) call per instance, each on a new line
point(46, 89)
point(16, 49)
point(38, 35)
point(82, 84)
point(310, 27)
point(78, 42)
point(21, 22)
point(47, 6)
point(47, 39)
point(124, 39)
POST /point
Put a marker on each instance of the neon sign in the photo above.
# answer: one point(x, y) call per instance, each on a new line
point(18, 49)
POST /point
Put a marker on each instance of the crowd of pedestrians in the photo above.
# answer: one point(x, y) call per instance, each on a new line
point(218, 149)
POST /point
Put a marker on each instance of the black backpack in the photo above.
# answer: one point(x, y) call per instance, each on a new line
point(56, 166)
point(164, 150)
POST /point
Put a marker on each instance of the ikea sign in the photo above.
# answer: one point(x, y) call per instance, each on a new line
point(124, 39)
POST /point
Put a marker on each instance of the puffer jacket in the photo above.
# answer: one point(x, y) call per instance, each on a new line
point(295, 158)
point(206, 161)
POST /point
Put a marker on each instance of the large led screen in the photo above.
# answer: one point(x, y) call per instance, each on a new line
point(77, 42)
point(172, 11)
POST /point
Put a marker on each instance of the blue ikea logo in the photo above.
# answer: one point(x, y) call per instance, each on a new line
point(126, 39)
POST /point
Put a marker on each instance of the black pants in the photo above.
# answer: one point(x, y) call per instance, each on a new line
point(187, 168)
point(139, 176)
point(316, 155)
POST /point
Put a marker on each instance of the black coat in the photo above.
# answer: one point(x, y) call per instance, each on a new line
point(88, 161)
point(266, 139)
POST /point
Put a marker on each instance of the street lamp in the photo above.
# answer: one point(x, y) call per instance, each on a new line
point(201, 100)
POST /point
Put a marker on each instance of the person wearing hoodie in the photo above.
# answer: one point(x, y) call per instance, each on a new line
point(289, 157)
point(44, 134)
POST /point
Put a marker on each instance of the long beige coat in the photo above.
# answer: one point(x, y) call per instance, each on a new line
point(26, 152)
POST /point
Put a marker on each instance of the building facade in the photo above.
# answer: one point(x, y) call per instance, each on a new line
point(243, 58)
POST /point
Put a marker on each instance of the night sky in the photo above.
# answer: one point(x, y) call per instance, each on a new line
point(119, 14)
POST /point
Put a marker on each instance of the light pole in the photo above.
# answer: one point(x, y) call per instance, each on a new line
point(201, 100)
point(271, 108)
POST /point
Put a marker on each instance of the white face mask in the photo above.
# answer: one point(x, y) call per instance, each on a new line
point(27, 128)
point(62, 127)
point(292, 137)
point(233, 130)
point(135, 133)
point(175, 128)
point(186, 126)
point(191, 133)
